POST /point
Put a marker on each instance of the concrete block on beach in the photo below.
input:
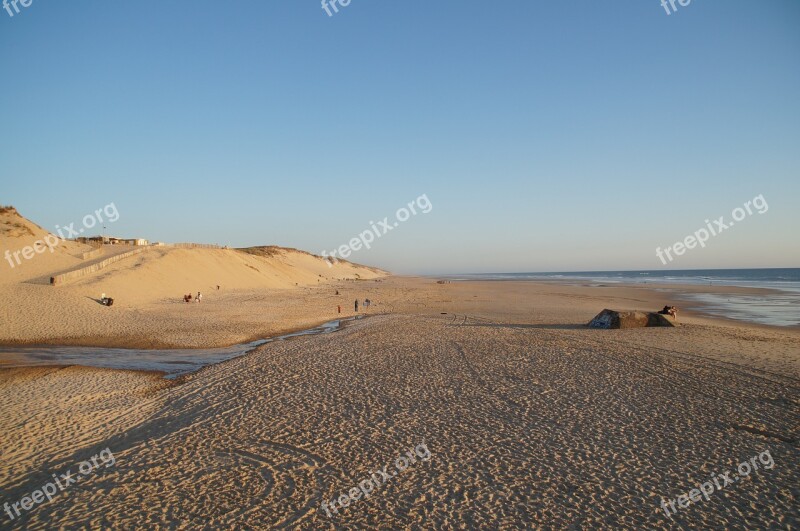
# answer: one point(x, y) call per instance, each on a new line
point(612, 319)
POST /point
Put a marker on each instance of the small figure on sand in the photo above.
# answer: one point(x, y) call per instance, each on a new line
point(356, 305)
point(187, 298)
point(339, 309)
point(367, 302)
point(199, 297)
point(670, 310)
point(106, 301)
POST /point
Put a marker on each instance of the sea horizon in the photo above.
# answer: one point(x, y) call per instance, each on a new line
point(695, 276)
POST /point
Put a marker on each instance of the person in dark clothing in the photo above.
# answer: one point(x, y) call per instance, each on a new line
point(672, 311)
point(356, 305)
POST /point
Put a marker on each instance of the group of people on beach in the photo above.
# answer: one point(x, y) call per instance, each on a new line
point(366, 305)
point(198, 298)
point(188, 298)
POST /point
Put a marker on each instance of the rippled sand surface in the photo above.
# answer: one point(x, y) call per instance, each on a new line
point(542, 424)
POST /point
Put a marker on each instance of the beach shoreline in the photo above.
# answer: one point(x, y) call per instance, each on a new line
point(680, 293)
point(406, 295)
point(231, 322)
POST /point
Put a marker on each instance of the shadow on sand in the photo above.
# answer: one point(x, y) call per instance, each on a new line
point(468, 320)
point(532, 326)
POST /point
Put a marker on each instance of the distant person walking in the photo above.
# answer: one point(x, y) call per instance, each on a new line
point(199, 296)
point(356, 305)
point(339, 309)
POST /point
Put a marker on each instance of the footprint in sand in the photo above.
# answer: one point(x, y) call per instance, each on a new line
point(278, 484)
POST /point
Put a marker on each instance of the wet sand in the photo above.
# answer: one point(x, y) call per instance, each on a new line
point(171, 362)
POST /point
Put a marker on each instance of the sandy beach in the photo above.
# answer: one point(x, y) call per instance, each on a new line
point(531, 419)
point(386, 266)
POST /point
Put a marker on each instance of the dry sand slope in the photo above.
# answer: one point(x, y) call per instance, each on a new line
point(528, 426)
point(263, 292)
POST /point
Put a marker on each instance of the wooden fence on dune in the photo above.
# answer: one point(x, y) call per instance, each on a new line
point(195, 245)
point(88, 270)
point(92, 254)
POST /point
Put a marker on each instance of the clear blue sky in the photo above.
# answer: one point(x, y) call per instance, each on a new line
point(549, 136)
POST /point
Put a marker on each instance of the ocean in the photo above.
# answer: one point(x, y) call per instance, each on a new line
point(780, 307)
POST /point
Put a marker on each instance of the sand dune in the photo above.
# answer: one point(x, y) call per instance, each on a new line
point(16, 233)
point(148, 288)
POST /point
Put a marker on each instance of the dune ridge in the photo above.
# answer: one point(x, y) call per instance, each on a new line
point(146, 287)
